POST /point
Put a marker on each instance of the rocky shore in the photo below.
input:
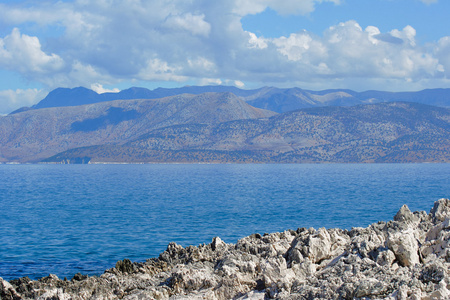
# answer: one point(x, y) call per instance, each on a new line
point(407, 258)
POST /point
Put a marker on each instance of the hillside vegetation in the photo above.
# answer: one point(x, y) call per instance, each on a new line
point(33, 135)
point(226, 124)
point(386, 132)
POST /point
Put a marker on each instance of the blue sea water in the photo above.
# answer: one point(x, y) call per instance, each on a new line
point(64, 219)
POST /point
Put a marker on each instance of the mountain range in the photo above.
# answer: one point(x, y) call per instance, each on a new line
point(32, 135)
point(227, 124)
point(271, 98)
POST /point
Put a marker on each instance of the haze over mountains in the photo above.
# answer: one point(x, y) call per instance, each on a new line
point(227, 124)
point(275, 99)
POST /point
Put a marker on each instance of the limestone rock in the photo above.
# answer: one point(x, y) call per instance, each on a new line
point(408, 258)
point(369, 287)
point(192, 278)
point(385, 257)
point(441, 209)
point(405, 215)
point(217, 243)
point(405, 247)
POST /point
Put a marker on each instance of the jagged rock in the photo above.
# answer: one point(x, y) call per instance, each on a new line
point(369, 287)
point(383, 256)
point(441, 209)
point(366, 242)
point(80, 277)
point(7, 291)
point(437, 243)
point(405, 247)
point(405, 215)
point(22, 284)
point(192, 278)
point(408, 258)
point(317, 247)
point(124, 266)
point(217, 243)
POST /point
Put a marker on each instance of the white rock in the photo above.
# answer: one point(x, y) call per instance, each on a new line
point(405, 215)
point(369, 287)
point(385, 258)
point(405, 247)
point(441, 209)
point(253, 295)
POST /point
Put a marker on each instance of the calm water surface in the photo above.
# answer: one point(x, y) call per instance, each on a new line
point(64, 219)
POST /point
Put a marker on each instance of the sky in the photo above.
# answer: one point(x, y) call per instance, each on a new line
point(110, 45)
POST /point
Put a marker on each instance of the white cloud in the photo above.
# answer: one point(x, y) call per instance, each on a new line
point(194, 24)
point(202, 41)
point(442, 52)
point(301, 7)
point(295, 45)
point(256, 42)
point(211, 81)
point(239, 83)
point(201, 63)
point(99, 89)
point(43, 15)
point(373, 32)
point(11, 100)
point(23, 53)
point(77, 74)
point(347, 51)
point(286, 7)
point(157, 69)
point(408, 34)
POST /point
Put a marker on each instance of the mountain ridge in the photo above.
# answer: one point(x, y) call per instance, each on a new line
point(33, 135)
point(331, 126)
point(383, 132)
point(276, 99)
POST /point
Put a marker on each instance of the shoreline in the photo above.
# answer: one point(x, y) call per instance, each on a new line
point(407, 258)
point(225, 163)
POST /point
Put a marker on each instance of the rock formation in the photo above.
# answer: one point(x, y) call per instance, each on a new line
point(407, 258)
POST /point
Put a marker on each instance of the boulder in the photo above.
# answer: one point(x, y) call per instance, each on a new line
point(405, 247)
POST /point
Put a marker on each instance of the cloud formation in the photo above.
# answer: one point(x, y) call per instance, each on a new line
point(99, 89)
point(13, 99)
point(202, 41)
point(194, 24)
point(23, 53)
point(286, 7)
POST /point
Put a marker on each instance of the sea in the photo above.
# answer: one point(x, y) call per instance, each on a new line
point(68, 219)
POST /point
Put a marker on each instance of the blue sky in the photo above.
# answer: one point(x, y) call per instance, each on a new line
point(110, 45)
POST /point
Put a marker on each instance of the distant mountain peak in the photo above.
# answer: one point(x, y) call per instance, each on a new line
point(68, 97)
point(272, 98)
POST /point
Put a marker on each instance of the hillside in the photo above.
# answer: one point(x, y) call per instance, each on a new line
point(61, 97)
point(33, 135)
point(384, 132)
point(270, 98)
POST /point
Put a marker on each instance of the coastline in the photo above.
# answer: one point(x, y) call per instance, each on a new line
point(407, 258)
point(218, 163)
